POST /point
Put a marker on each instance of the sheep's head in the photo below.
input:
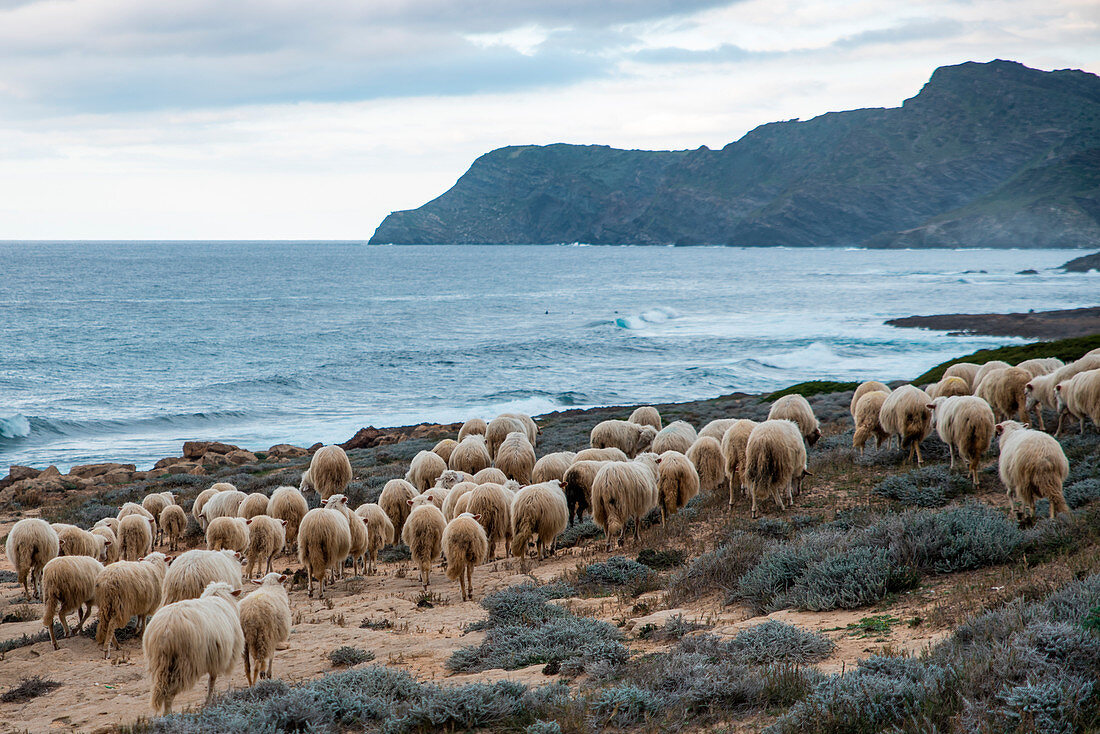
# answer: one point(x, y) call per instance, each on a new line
point(814, 436)
point(645, 439)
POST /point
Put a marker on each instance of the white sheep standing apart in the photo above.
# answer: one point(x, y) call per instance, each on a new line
point(676, 436)
point(1032, 465)
point(330, 471)
point(188, 639)
point(797, 409)
point(425, 469)
point(288, 504)
point(379, 532)
point(538, 511)
point(464, 546)
point(622, 491)
point(629, 437)
point(68, 585)
point(965, 423)
point(265, 623)
point(905, 414)
point(1079, 397)
point(516, 457)
point(127, 589)
point(677, 482)
point(324, 541)
point(423, 533)
point(775, 458)
point(190, 573)
point(646, 415)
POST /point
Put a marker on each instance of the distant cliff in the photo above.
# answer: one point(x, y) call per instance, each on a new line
point(986, 155)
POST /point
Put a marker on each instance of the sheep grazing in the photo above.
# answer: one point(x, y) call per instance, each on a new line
point(516, 457)
point(224, 504)
point(464, 546)
point(252, 505)
point(460, 506)
point(324, 541)
point(734, 441)
point(491, 475)
point(305, 484)
point(1043, 366)
point(1041, 391)
point(135, 537)
point(458, 491)
point(111, 523)
point(985, 370)
point(622, 491)
point(905, 414)
point(379, 532)
point(266, 538)
point(189, 639)
point(775, 458)
point(706, 456)
point(68, 585)
point(288, 504)
point(678, 436)
point(358, 529)
point(948, 387)
point(498, 430)
point(472, 455)
point(394, 501)
point(1079, 397)
point(227, 533)
point(153, 504)
point(1005, 391)
point(966, 370)
point(131, 508)
point(630, 438)
point(423, 533)
point(127, 589)
point(110, 542)
point(529, 426)
point(445, 448)
point(577, 486)
point(265, 622)
point(493, 506)
point(964, 423)
point(200, 502)
point(474, 426)
point(330, 471)
point(1032, 465)
point(868, 422)
point(552, 466)
point(863, 389)
point(172, 523)
point(646, 415)
point(539, 511)
point(796, 408)
point(193, 570)
point(72, 541)
point(677, 482)
point(425, 469)
point(717, 428)
point(608, 454)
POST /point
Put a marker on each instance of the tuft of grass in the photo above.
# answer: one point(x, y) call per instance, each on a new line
point(347, 656)
point(778, 642)
point(29, 688)
point(1066, 350)
point(876, 625)
point(674, 628)
point(813, 387)
point(928, 486)
point(574, 534)
point(661, 559)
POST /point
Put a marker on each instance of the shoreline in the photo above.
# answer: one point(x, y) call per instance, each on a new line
point(1061, 324)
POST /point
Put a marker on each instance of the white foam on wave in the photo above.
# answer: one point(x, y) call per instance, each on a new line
point(14, 426)
point(649, 317)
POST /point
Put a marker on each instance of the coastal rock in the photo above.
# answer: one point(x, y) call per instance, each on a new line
point(117, 476)
point(50, 472)
point(178, 467)
point(198, 471)
point(198, 449)
point(89, 471)
point(213, 459)
point(18, 472)
point(240, 456)
point(314, 447)
point(168, 461)
point(1083, 264)
point(286, 451)
point(364, 438)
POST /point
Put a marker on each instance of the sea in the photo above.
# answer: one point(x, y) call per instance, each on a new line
point(121, 351)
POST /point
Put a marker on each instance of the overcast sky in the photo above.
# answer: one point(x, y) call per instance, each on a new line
point(280, 119)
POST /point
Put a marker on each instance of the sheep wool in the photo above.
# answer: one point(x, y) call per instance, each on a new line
point(677, 436)
point(491, 475)
point(72, 541)
point(706, 455)
point(677, 482)
point(1005, 391)
point(493, 506)
point(516, 457)
point(252, 505)
point(329, 471)
point(734, 441)
point(905, 414)
point(646, 415)
point(127, 589)
point(68, 585)
point(394, 502)
point(266, 538)
point(966, 370)
point(796, 408)
point(225, 503)
point(288, 504)
point(985, 370)
point(863, 389)
point(577, 485)
point(626, 436)
point(551, 466)
point(379, 532)
point(357, 527)
point(1041, 392)
point(425, 469)
point(498, 430)
point(867, 420)
point(324, 541)
point(227, 533)
point(965, 423)
point(190, 573)
point(471, 427)
point(608, 454)
point(423, 533)
point(775, 458)
point(110, 543)
point(472, 455)
point(622, 491)
point(464, 546)
point(265, 623)
point(200, 502)
point(717, 428)
point(456, 493)
point(1043, 366)
point(538, 511)
point(529, 426)
point(445, 448)
point(135, 537)
point(172, 523)
point(1079, 397)
point(1032, 465)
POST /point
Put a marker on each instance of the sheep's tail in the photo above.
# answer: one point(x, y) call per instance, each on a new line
point(247, 664)
point(524, 530)
point(763, 467)
point(50, 611)
point(164, 671)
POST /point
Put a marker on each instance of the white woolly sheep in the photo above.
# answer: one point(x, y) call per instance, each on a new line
point(324, 541)
point(135, 537)
point(358, 529)
point(72, 541)
point(677, 436)
point(189, 639)
point(330, 471)
point(498, 430)
point(608, 454)
point(223, 504)
point(677, 482)
point(775, 458)
point(425, 469)
point(577, 487)
point(288, 504)
point(948, 387)
point(1041, 391)
point(985, 369)
point(717, 428)
point(110, 543)
point(646, 415)
point(423, 533)
point(252, 505)
point(538, 511)
point(445, 448)
point(172, 523)
point(1032, 465)
point(552, 466)
point(379, 532)
point(472, 455)
point(622, 491)
point(394, 501)
point(453, 496)
point(305, 484)
point(493, 506)
point(966, 370)
point(265, 622)
point(516, 457)
point(529, 426)
point(460, 505)
point(68, 585)
point(863, 389)
point(796, 408)
point(471, 427)
point(127, 589)
point(965, 423)
point(1005, 391)
point(490, 475)
point(868, 422)
point(227, 533)
point(200, 502)
point(111, 523)
point(1079, 397)
point(193, 570)
point(630, 438)
point(153, 504)
point(266, 538)
point(706, 455)
point(905, 414)
point(465, 545)
point(734, 441)
point(132, 508)
point(1042, 366)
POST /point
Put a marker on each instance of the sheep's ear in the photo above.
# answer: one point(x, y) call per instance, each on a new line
point(1058, 388)
point(283, 522)
point(931, 406)
point(235, 592)
point(477, 517)
point(282, 578)
point(324, 502)
point(237, 555)
point(1027, 425)
point(998, 429)
point(343, 500)
point(248, 521)
point(366, 521)
point(169, 559)
point(106, 542)
point(409, 502)
point(258, 583)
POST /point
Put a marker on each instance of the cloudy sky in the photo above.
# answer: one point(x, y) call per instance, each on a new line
point(286, 119)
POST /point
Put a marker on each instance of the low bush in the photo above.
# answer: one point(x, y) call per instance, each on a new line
point(347, 656)
point(29, 688)
point(928, 486)
point(779, 642)
point(661, 559)
point(719, 569)
point(574, 534)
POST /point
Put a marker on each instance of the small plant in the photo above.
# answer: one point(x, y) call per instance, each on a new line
point(347, 656)
point(574, 534)
point(929, 486)
point(29, 688)
point(661, 559)
point(674, 628)
point(876, 625)
point(778, 642)
point(376, 624)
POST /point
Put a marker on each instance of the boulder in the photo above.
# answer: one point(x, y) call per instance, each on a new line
point(195, 449)
point(240, 456)
point(286, 451)
point(50, 472)
point(89, 471)
point(18, 472)
point(364, 438)
point(168, 461)
point(198, 471)
point(179, 467)
point(213, 459)
point(117, 476)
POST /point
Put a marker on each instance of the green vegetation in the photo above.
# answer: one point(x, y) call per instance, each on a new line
point(1066, 350)
point(347, 656)
point(813, 387)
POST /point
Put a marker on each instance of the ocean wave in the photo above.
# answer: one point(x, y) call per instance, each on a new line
point(811, 355)
point(14, 426)
point(647, 318)
point(19, 427)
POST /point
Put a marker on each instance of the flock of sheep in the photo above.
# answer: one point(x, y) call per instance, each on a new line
point(464, 498)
